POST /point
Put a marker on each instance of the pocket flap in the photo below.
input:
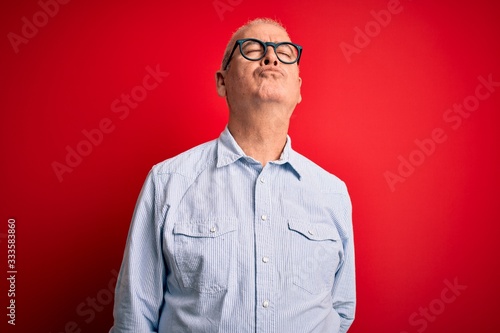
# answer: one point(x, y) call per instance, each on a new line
point(208, 228)
point(314, 231)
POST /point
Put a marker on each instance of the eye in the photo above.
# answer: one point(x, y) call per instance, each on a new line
point(251, 46)
point(286, 52)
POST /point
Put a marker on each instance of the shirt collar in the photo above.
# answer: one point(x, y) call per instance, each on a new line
point(228, 152)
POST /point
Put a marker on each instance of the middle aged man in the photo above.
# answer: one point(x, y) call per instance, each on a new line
point(242, 234)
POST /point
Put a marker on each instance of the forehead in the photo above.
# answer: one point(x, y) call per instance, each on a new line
point(266, 32)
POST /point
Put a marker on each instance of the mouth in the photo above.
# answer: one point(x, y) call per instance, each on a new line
point(269, 71)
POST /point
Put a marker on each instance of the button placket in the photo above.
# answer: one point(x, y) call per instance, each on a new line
point(264, 246)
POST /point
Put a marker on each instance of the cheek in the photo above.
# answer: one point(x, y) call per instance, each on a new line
point(237, 84)
point(242, 79)
point(296, 82)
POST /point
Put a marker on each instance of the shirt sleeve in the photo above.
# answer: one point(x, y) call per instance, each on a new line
point(140, 286)
point(344, 288)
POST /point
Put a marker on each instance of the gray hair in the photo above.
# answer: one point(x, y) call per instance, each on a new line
point(262, 20)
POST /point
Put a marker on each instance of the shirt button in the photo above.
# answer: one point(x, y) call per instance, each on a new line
point(265, 260)
point(262, 180)
point(263, 217)
point(310, 232)
point(265, 303)
point(213, 229)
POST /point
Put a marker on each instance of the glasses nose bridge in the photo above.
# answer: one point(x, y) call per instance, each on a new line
point(268, 45)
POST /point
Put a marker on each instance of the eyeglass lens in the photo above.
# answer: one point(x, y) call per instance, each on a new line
point(254, 50)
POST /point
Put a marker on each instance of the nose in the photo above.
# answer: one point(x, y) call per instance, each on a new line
point(270, 57)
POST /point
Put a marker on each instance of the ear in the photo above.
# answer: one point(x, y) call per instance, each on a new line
point(300, 85)
point(220, 82)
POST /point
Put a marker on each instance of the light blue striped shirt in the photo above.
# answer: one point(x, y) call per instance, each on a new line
point(219, 243)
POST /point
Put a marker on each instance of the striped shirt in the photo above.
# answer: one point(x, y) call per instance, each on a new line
point(219, 243)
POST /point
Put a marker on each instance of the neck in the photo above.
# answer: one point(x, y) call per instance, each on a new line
point(260, 133)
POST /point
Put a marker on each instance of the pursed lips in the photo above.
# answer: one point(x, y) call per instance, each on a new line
point(263, 70)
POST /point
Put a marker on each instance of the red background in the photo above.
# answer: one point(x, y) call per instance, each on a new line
point(355, 119)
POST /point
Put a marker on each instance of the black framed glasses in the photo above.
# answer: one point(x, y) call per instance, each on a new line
point(253, 49)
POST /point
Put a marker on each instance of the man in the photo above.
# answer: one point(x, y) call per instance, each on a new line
point(242, 234)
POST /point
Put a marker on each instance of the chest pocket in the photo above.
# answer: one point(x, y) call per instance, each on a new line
point(203, 253)
point(316, 251)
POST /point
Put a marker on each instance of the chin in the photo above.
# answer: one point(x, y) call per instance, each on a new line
point(272, 92)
